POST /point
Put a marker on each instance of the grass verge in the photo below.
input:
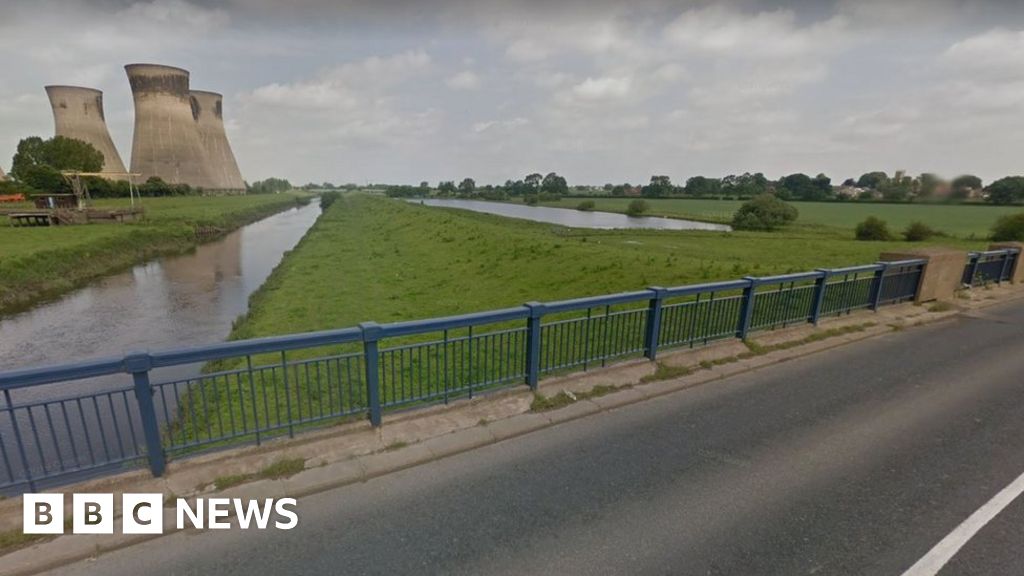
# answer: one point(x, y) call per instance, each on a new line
point(283, 468)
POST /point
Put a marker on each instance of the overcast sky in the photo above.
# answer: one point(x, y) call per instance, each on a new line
point(599, 91)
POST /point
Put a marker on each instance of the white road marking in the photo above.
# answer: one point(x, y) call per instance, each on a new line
point(943, 552)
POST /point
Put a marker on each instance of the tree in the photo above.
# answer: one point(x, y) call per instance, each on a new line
point(918, 232)
point(823, 186)
point(898, 188)
point(637, 207)
point(467, 186)
point(803, 187)
point(764, 212)
point(268, 186)
point(872, 180)
point(927, 184)
point(963, 185)
point(873, 228)
point(533, 181)
point(701, 186)
point(586, 205)
point(554, 184)
point(746, 185)
point(446, 188)
point(660, 186)
point(1007, 190)
point(37, 162)
point(1009, 228)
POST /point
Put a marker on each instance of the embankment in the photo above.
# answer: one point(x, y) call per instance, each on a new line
point(39, 264)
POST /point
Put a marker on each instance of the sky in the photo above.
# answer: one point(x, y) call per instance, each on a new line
point(402, 91)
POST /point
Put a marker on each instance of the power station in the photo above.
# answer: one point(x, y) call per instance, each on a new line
point(78, 113)
point(208, 110)
point(179, 133)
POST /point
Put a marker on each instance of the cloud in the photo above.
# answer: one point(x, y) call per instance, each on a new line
point(995, 55)
point(603, 88)
point(720, 31)
point(500, 125)
point(465, 80)
point(344, 87)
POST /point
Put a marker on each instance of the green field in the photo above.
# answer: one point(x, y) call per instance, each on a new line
point(37, 263)
point(961, 220)
point(375, 259)
point(371, 258)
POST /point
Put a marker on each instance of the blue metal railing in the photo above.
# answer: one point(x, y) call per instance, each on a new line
point(147, 407)
point(993, 266)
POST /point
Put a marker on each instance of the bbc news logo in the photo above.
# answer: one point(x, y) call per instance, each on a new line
point(144, 513)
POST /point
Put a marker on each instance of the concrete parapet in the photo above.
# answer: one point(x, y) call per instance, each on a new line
point(943, 271)
point(1017, 274)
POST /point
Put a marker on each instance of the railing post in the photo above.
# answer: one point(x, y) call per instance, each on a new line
point(653, 328)
point(819, 295)
point(975, 258)
point(876, 284)
point(1002, 271)
point(533, 331)
point(747, 308)
point(371, 335)
point(139, 365)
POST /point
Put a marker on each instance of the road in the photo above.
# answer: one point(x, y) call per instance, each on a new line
point(858, 460)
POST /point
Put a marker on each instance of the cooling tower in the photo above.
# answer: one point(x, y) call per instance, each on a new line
point(2, 175)
point(207, 108)
point(78, 113)
point(166, 143)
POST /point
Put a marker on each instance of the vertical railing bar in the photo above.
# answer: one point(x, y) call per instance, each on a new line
point(19, 442)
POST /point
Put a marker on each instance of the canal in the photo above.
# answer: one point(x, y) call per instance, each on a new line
point(572, 218)
point(168, 303)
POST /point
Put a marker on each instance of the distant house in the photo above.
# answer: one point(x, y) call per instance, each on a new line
point(849, 192)
point(634, 191)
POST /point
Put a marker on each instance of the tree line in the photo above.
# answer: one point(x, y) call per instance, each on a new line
point(37, 165)
point(870, 186)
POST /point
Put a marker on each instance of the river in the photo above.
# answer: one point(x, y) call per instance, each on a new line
point(573, 218)
point(170, 302)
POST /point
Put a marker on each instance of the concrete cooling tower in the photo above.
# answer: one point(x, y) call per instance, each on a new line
point(78, 113)
point(207, 108)
point(167, 143)
point(2, 175)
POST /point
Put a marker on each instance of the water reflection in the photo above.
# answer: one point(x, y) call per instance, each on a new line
point(573, 218)
point(167, 303)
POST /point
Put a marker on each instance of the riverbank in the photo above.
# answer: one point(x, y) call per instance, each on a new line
point(967, 221)
point(376, 259)
point(371, 258)
point(39, 264)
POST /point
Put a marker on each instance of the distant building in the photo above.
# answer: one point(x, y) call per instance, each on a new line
point(78, 114)
point(849, 192)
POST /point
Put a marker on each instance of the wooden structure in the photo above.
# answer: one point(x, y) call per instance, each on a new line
point(64, 209)
point(54, 201)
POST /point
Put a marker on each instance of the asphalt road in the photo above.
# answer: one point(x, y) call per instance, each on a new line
point(853, 461)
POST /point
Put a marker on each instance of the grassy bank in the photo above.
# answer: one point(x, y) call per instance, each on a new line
point(963, 221)
point(376, 259)
point(40, 263)
point(371, 258)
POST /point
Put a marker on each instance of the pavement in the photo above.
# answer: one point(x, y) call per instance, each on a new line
point(862, 460)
